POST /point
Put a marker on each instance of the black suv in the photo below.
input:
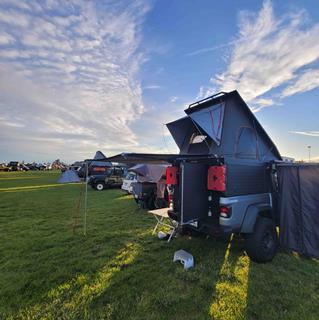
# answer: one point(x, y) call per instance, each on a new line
point(113, 177)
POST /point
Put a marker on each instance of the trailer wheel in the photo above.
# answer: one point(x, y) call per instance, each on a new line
point(262, 244)
point(99, 186)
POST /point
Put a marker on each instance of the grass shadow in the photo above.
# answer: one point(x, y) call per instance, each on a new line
point(154, 287)
point(229, 298)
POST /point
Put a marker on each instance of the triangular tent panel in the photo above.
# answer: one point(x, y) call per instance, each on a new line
point(211, 121)
point(69, 176)
point(99, 157)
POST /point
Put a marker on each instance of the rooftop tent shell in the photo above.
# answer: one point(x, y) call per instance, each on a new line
point(228, 129)
point(97, 160)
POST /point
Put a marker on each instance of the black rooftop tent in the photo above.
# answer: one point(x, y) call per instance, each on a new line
point(97, 160)
point(225, 126)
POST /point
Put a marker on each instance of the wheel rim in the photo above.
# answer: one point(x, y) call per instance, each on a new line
point(99, 186)
point(267, 241)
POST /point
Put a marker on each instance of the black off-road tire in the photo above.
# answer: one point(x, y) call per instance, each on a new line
point(261, 245)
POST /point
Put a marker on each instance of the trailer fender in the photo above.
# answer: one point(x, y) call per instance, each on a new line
point(252, 214)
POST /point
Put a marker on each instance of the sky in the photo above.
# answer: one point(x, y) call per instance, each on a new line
point(79, 76)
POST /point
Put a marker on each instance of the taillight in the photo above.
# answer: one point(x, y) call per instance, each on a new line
point(216, 178)
point(225, 212)
point(171, 175)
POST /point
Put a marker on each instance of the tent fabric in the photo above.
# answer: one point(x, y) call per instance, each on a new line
point(149, 172)
point(235, 112)
point(299, 208)
point(69, 176)
point(180, 128)
point(211, 120)
point(99, 155)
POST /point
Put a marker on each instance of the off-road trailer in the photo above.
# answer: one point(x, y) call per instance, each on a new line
point(223, 179)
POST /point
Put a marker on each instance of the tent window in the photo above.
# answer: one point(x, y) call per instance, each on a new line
point(246, 146)
point(197, 138)
point(210, 120)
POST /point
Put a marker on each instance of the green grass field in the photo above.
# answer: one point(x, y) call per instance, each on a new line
point(119, 270)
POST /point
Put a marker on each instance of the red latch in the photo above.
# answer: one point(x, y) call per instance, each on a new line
point(216, 178)
point(171, 175)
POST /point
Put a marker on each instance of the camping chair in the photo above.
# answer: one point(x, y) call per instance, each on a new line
point(163, 219)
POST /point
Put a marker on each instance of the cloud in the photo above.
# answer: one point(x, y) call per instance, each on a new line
point(308, 80)
point(174, 99)
point(69, 76)
point(5, 38)
point(270, 52)
point(307, 133)
point(12, 18)
point(152, 87)
point(209, 49)
point(258, 104)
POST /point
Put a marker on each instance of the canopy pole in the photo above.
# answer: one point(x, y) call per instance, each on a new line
point(86, 195)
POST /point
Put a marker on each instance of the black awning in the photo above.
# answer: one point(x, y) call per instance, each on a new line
point(154, 158)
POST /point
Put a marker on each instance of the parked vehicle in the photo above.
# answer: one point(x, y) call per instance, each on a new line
point(94, 166)
point(4, 167)
point(223, 179)
point(127, 184)
point(24, 167)
point(14, 166)
point(113, 177)
point(35, 166)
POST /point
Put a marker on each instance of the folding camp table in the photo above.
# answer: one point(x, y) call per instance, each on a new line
point(163, 219)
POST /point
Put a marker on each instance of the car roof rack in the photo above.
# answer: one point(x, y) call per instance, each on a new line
point(221, 93)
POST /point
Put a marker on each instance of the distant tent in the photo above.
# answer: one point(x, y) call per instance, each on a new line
point(69, 176)
point(98, 163)
point(99, 155)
